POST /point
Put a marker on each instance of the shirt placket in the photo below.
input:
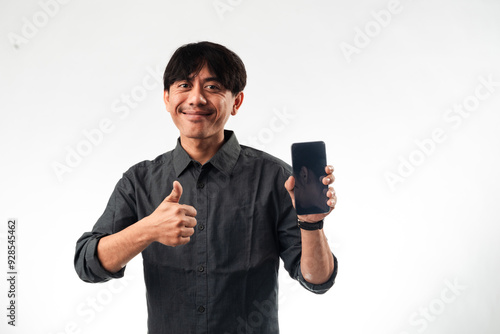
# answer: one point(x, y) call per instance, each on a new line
point(201, 251)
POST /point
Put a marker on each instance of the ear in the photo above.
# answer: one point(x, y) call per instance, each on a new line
point(238, 100)
point(166, 99)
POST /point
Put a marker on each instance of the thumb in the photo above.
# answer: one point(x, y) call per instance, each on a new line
point(289, 186)
point(176, 193)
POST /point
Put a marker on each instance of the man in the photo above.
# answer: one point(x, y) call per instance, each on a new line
point(211, 218)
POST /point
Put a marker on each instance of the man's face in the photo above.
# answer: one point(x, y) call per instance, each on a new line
point(200, 106)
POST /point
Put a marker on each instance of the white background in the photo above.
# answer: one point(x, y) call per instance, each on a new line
point(401, 245)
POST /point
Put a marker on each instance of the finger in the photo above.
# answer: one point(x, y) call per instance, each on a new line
point(332, 201)
point(331, 192)
point(187, 232)
point(183, 240)
point(289, 185)
point(189, 210)
point(189, 222)
point(328, 179)
point(176, 193)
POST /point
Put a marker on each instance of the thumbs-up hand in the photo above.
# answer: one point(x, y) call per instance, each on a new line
point(173, 223)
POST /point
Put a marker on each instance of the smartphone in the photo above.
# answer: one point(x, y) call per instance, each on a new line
point(309, 162)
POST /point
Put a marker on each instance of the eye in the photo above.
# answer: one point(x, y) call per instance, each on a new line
point(212, 87)
point(183, 85)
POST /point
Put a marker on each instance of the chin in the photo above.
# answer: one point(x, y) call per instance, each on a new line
point(196, 134)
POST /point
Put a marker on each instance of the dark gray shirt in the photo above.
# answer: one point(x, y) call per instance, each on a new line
point(225, 279)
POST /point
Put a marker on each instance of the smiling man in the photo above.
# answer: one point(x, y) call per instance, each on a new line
point(211, 218)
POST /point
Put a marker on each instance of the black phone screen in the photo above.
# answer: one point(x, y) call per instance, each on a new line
point(309, 162)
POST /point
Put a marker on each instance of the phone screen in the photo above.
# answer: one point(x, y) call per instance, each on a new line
point(309, 162)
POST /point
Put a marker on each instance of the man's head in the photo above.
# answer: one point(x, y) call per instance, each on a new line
point(191, 58)
point(203, 87)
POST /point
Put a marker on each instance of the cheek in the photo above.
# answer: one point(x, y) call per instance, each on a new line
point(225, 110)
point(171, 103)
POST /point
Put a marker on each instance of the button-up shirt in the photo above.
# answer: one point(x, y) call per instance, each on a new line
point(225, 279)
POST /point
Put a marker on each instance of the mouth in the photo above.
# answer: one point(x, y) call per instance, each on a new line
point(196, 114)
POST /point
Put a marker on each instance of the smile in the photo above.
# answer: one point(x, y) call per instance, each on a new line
point(196, 112)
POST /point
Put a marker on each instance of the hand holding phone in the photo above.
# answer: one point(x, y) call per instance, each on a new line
point(309, 162)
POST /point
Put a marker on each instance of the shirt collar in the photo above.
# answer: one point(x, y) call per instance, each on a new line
point(224, 160)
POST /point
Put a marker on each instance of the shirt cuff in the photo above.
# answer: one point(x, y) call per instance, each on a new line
point(318, 288)
point(95, 265)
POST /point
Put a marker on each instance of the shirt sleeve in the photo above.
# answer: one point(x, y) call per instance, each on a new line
point(291, 245)
point(317, 288)
point(120, 213)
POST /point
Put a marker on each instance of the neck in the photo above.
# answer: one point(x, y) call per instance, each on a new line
point(202, 150)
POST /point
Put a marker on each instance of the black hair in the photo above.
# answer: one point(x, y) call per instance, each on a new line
point(223, 63)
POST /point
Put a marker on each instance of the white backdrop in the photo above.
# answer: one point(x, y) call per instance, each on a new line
point(406, 94)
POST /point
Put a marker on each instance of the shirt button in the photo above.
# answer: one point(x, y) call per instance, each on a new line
point(201, 227)
point(201, 269)
point(200, 185)
point(201, 309)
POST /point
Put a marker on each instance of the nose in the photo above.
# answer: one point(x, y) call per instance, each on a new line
point(196, 96)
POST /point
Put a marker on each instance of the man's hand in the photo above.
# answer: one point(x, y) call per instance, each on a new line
point(316, 262)
point(173, 222)
point(331, 197)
